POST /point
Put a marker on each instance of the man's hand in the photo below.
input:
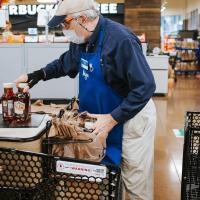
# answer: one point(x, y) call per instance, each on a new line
point(22, 79)
point(103, 125)
point(32, 79)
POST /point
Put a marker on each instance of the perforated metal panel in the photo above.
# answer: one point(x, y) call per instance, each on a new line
point(190, 189)
point(31, 176)
point(192, 120)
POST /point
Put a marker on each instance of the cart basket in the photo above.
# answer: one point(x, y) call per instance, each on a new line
point(36, 176)
point(190, 188)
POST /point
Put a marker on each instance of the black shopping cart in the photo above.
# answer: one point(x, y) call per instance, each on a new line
point(42, 176)
point(190, 188)
point(36, 176)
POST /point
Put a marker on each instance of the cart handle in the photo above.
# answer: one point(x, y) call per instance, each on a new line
point(58, 140)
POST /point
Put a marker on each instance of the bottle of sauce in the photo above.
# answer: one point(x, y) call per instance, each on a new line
point(22, 105)
point(8, 102)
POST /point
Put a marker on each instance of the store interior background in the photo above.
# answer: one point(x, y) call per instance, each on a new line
point(177, 93)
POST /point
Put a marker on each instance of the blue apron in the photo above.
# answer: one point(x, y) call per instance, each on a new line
point(97, 97)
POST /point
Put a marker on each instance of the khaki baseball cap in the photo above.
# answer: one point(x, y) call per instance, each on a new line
point(66, 7)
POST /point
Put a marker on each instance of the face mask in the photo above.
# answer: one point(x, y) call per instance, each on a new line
point(73, 37)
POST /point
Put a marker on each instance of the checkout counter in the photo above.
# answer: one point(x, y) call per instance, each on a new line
point(26, 136)
point(159, 66)
point(17, 59)
point(27, 57)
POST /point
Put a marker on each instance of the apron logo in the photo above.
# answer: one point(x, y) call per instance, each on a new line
point(85, 75)
point(91, 68)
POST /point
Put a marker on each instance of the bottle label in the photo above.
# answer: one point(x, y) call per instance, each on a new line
point(5, 107)
point(19, 107)
point(10, 107)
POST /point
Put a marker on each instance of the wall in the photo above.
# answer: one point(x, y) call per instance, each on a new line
point(143, 16)
point(175, 7)
point(181, 7)
point(192, 5)
point(188, 9)
point(193, 14)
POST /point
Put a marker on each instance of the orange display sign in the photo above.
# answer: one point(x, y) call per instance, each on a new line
point(3, 2)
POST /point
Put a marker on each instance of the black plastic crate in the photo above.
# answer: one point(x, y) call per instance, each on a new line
point(34, 176)
point(190, 188)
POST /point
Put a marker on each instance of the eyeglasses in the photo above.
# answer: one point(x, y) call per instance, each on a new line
point(66, 23)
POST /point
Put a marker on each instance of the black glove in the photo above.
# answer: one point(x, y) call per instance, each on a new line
point(35, 77)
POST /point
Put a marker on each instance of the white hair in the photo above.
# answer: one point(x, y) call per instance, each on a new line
point(92, 13)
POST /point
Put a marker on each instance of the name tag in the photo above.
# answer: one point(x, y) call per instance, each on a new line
point(84, 64)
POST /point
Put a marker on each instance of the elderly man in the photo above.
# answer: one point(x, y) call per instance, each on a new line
point(115, 86)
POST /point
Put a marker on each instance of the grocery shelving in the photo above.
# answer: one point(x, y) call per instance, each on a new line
point(186, 58)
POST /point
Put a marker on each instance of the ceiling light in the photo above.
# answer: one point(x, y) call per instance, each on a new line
point(163, 5)
point(163, 8)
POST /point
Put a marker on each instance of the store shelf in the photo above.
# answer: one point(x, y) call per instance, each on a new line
point(179, 59)
point(192, 72)
point(188, 70)
point(186, 49)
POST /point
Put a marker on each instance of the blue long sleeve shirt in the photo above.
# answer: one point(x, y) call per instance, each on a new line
point(123, 64)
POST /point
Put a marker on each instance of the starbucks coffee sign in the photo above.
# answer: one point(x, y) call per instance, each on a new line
point(28, 9)
point(105, 8)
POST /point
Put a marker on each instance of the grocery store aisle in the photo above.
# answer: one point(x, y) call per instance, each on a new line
point(168, 148)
